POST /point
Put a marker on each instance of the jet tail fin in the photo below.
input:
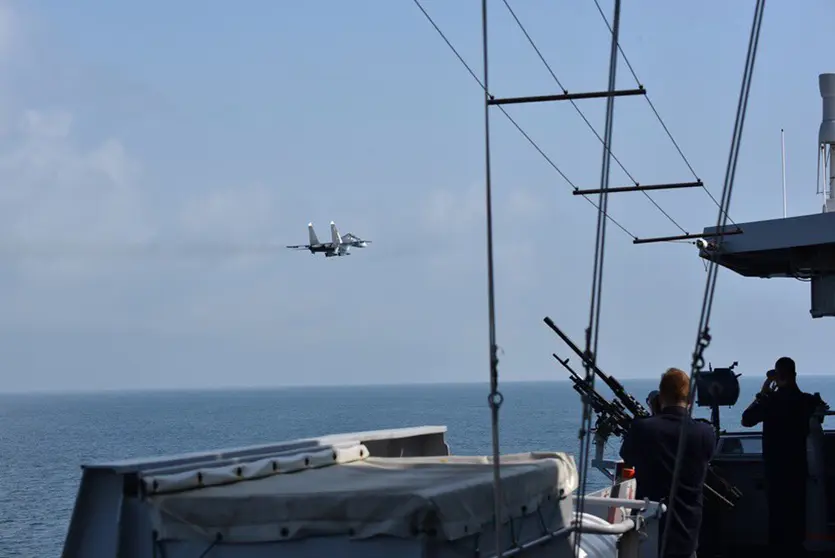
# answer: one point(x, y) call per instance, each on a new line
point(312, 234)
point(335, 238)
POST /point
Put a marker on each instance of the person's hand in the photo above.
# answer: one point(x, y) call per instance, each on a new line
point(768, 385)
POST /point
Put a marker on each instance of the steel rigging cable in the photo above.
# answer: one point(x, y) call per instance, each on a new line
point(495, 398)
point(593, 330)
point(657, 114)
point(515, 124)
point(703, 338)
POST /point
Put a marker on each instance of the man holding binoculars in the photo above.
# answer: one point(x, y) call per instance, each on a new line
point(784, 411)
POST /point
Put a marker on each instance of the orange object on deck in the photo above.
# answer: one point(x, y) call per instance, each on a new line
point(627, 473)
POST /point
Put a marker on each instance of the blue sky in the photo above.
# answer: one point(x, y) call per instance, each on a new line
point(212, 132)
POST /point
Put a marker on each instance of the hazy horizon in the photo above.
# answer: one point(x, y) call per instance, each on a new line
point(744, 379)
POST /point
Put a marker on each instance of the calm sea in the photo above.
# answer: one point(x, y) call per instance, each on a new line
point(44, 438)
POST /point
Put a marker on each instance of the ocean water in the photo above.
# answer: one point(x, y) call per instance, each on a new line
point(44, 438)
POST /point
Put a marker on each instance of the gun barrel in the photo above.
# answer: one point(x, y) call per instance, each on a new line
point(566, 366)
point(633, 405)
point(611, 382)
point(550, 323)
point(613, 409)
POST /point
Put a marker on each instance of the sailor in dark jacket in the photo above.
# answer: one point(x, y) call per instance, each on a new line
point(650, 446)
point(785, 412)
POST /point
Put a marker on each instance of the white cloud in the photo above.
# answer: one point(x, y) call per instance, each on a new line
point(55, 194)
point(59, 198)
point(9, 26)
point(523, 204)
point(11, 53)
point(39, 125)
point(237, 213)
point(457, 220)
point(448, 211)
point(76, 225)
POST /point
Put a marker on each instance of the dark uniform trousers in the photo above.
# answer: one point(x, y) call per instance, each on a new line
point(785, 416)
point(672, 554)
point(786, 493)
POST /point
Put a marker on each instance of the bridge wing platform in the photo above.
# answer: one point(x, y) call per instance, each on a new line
point(800, 247)
point(790, 247)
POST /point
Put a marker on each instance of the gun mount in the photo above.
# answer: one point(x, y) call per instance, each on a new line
point(611, 415)
point(614, 417)
point(718, 387)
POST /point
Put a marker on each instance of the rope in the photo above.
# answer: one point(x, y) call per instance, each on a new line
point(703, 338)
point(218, 538)
point(495, 399)
point(593, 330)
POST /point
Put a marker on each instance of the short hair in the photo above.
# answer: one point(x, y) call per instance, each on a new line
point(675, 386)
point(785, 367)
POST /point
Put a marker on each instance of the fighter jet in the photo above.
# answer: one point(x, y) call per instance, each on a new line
point(338, 246)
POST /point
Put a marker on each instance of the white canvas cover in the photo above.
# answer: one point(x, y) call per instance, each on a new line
point(364, 498)
point(278, 465)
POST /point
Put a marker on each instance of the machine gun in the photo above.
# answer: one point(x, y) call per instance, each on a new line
point(612, 418)
point(625, 398)
point(615, 417)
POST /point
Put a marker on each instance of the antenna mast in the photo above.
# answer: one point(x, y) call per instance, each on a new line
point(783, 158)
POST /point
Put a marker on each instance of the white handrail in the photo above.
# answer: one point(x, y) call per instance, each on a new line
point(592, 524)
point(600, 501)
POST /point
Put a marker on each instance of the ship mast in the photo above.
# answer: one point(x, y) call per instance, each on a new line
point(826, 139)
point(592, 331)
point(562, 93)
